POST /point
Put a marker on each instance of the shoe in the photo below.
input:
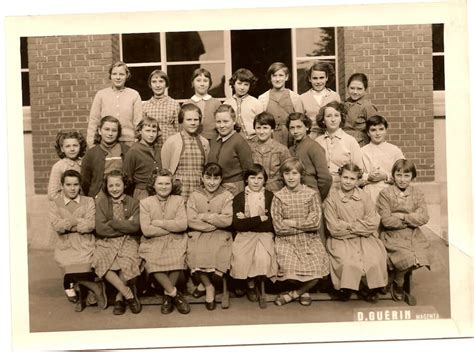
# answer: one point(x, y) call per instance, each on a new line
point(240, 293)
point(91, 299)
point(134, 305)
point(285, 298)
point(102, 298)
point(252, 294)
point(81, 299)
point(410, 299)
point(372, 296)
point(181, 305)
point(167, 306)
point(197, 293)
point(398, 294)
point(345, 294)
point(71, 295)
point(119, 308)
point(305, 299)
point(211, 305)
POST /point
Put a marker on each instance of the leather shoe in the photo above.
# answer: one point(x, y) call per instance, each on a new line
point(119, 308)
point(167, 306)
point(198, 293)
point(252, 294)
point(134, 305)
point(181, 305)
point(211, 305)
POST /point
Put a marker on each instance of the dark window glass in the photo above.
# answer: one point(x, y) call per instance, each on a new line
point(25, 88)
point(438, 37)
point(142, 47)
point(194, 46)
point(315, 42)
point(139, 80)
point(302, 72)
point(438, 72)
point(24, 52)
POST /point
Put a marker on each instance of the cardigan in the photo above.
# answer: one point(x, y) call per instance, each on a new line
point(173, 216)
point(107, 226)
point(139, 163)
point(295, 99)
point(311, 106)
point(208, 117)
point(255, 223)
point(173, 148)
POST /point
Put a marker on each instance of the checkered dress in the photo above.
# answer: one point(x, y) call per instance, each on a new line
point(300, 254)
point(165, 110)
point(190, 166)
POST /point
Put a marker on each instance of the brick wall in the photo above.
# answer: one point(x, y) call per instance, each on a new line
point(398, 62)
point(65, 74)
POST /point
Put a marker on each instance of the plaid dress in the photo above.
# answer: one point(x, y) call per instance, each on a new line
point(165, 110)
point(300, 254)
point(190, 166)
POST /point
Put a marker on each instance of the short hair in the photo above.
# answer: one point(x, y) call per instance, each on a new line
point(322, 66)
point(97, 136)
point(204, 72)
point(61, 136)
point(243, 75)
point(290, 164)
point(120, 64)
point(374, 121)
point(189, 107)
point(295, 116)
point(160, 74)
point(115, 173)
point(212, 169)
point(351, 167)
point(276, 66)
point(404, 165)
point(265, 118)
point(71, 173)
point(175, 185)
point(254, 170)
point(361, 77)
point(231, 111)
point(147, 121)
point(336, 106)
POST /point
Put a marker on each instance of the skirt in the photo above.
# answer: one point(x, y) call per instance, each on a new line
point(164, 253)
point(209, 250)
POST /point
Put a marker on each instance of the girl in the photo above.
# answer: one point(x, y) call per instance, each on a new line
point(71, 147)
point(358, 258)
point(105, 156)
point(340, 147)
point(358, 108)
point(319, 76)
point(253, 252)
point(245, 105)
point(143, 157)
point(296, 213)
point(117, 228)
point(119, 101)
point(209, 211)
point(268, 152)
point(161, 107)
point(280, 101)
point(201, 83)
point(230, 150)
point(311, 155)
point(163, 246)
point(186, 152)
point(403, 211)
point(72, 217)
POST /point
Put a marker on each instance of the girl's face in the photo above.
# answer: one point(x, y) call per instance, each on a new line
point(241, 88)
point(356, 90)
point(71, 187)
point(201, 84)
point(298, 130)
point(377, 133)
point(256, 182)
point(71, 148)
point(292, 179)
point(224, 123)
point(109, 132)
point(191, 122)
point(278, 79)
point(318, 80)
point(163, 186)
point(158, 86)
point(263, 132)
point(211, 183)
point(149, 133)
point(402, 178)
point(332, 119)
point(115, 186)
point(118, 76)
point(349, 180)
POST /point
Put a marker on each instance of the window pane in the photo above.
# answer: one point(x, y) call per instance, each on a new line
point(180, 80)
point(142, 47)
point(438, 37)
point(302, 68)
point(194, 46)
point(25, 88)
point(24, 52)
point(438, 73)
point(139, 80)
point(315, 42)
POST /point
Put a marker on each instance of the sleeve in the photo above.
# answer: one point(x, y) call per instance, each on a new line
point(277, 215)
point(180, 221)
point(370, 110)
point(86, 173)
point(369, 223)
point(59, 224)
point(338, 228)
point(356, 154)
point(192, 213)
point(388, 220)
point(137, 110)
point(94, 117)
point(131, 225)
point(223, 219)
point(129, 165)
point(146, 226)
point(420, 216)
point(245, 154)
point(166, 152)
point(54, 185)
point(298, 104)
point(367, 164)
point(102, 222)
point(173, 120)
point(313, 219)
point(87, 223)
point(323, 177)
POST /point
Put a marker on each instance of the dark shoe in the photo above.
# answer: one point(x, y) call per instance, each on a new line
point(410, 299)
point(134, 305)
point(81, 298)
point(119, 308)
point(305, 299)
point(181, 305)
point(398, 294)
point(167, 306)
point(211, 305)
point(252, 294)
point(372, 296)
point(345, 294)
point(240, 293)
point(197, 293)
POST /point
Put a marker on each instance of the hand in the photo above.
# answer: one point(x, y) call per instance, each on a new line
point(240, 215)
point(289, 223)
point(376, 175)
point(263, 218)
point(401, 216)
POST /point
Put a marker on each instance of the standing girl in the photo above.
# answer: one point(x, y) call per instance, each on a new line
point(230, 150)
point(296, 213)
point(280, 101)
point(161, 107)
point(163, 246)
point(253, 253)
point(358, 258)
point(185, 153)
point(119, 101)
point(403, 211)
point(358, 108)
point(71, 147)
point(209, 212)
point(319, 76)
point(106, 155)
point(201, 82)
point(117, 228)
